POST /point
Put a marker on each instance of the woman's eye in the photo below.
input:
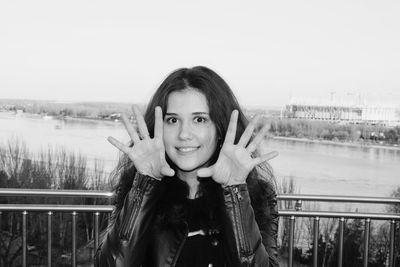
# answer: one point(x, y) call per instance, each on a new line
point(200, 119)
point(171, 120)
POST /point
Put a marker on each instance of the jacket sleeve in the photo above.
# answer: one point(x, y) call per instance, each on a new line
point(252, 244)
point(125, 240)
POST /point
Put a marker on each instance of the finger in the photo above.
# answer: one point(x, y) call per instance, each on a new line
point(205, 172)
point(266, 157)
point(257, 140)
point(245, 138)
point(158, 124)
point(130, 129)
point(167, 171)
point(118, 145)
point(143, 131)
point(231, 132)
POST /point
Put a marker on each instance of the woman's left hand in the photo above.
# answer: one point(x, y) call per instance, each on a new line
point(235, 161)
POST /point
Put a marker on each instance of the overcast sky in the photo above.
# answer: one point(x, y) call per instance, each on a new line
point(268, 51)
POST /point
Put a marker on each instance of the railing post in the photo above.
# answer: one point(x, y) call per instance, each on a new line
point(49, 214)
point(316, 236)
point(366, 240)
point(96, 231)
point(74, 239)
point(291, 240)
point(341, 233)
point(109, 214)
point(24, 246)
point(1, 237)
point(392, 236)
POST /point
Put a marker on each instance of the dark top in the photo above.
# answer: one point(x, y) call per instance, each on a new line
point(202, 249)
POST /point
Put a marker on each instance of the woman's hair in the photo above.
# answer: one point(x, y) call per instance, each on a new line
point(221, 102)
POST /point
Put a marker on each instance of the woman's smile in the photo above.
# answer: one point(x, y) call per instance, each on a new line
point(187, 149)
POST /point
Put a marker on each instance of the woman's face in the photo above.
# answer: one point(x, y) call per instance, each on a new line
point(190, 137)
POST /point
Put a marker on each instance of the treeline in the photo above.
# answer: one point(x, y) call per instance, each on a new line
point(79, 109)
point(51, 169)
point(320, 130)
point(328, 238)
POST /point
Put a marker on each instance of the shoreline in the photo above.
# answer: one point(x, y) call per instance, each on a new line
point(328, 142)
point(55, 117)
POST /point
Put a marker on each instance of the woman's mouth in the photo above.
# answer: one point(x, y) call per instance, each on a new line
point(187, 149)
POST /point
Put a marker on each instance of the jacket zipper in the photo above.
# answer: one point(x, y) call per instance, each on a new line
point(134, 210)
point(237, 197)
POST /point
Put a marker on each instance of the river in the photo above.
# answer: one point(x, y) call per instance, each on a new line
point(315, 167)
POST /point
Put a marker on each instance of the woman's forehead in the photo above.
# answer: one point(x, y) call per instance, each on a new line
point(187, 101)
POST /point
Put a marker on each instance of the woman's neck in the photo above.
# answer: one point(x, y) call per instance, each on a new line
point(190, 178)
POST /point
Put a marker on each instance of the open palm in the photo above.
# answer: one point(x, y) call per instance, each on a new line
point(235, 161)
point(147, 154)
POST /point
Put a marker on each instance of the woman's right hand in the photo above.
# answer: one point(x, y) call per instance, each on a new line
point(147, 154)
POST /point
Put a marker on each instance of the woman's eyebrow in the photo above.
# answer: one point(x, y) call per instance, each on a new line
point(200, 113)
point(194, 113)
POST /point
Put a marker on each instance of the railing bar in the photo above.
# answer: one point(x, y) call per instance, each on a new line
point(331, 214)
point(366, 240)
point(391, 250)
point(291, 241)
point(109, 208)
point(107, 194)
point(74, 239)
point(54, 193)
point(24, 243)
point(58, 208)
point(316, 236)
point(49, 215)
point(96, 231)
point(341, 234)
point(338, 198)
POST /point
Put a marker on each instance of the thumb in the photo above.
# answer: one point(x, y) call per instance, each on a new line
point(167, 171)
point(205, 172)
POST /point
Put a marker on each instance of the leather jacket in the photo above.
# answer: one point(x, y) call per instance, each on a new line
point(128, 236)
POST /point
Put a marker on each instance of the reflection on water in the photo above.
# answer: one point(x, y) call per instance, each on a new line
point(317, 168)
point(337, 169)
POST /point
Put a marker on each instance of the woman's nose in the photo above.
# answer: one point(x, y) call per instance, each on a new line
point(185, 132)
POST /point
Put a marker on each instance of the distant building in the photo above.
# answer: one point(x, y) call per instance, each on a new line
point(343, 112)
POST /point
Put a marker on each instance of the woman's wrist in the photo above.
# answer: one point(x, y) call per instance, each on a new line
point(149, 174)
point(232, 182)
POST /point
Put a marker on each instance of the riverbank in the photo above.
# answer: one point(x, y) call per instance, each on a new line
point(338, 143)
point(58, 117)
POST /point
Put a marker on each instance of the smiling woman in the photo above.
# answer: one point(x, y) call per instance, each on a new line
point(193, 189)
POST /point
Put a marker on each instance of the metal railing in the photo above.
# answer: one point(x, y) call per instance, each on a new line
point(316, 215)
point(50, 209)
point(290, 213)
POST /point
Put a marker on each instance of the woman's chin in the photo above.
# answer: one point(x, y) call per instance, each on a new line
point(189, 166)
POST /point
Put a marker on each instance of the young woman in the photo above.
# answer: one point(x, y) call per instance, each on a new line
point(193, 191)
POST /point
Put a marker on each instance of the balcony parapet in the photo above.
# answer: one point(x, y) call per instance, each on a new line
point(291, 214)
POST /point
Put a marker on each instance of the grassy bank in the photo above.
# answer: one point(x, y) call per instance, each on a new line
point(93, 110)
point(371, 135)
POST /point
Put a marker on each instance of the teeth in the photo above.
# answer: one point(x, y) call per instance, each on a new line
point(187, 149)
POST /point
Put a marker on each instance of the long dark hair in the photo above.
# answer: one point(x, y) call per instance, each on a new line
point(221, 102)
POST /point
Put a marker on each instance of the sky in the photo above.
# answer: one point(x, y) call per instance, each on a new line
point(269, 52)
